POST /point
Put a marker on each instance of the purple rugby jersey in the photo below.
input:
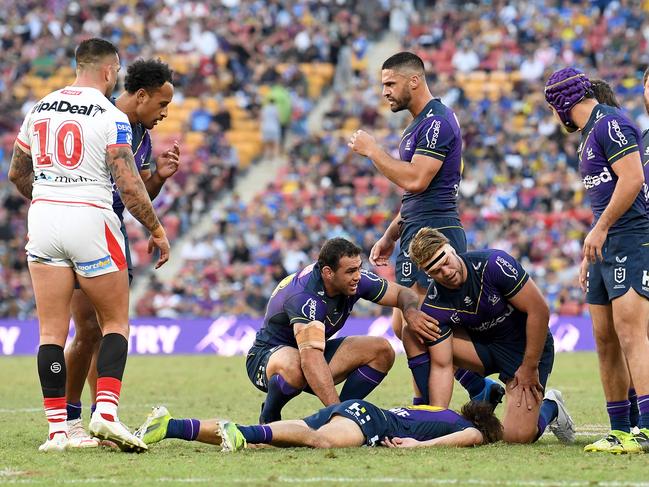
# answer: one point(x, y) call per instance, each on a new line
point(435, 133)
point(481, 304)
point(301, 298)
point(607, 137)
point(142, 148)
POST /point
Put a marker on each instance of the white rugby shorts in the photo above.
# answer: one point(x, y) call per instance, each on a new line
point(86, 238)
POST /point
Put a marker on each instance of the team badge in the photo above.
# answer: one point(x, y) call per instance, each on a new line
point(619, 274)
point(406, 269)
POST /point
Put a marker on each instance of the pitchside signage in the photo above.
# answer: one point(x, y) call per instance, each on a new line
point(230, 335)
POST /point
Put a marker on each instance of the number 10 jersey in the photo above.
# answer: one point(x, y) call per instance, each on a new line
point(68, 133)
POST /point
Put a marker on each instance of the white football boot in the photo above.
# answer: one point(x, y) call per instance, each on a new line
point(78, 437)
point(115, 431)
point(58, 442)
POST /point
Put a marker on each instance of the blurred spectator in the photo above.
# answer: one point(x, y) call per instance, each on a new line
point(271, 130)
point(521, 189)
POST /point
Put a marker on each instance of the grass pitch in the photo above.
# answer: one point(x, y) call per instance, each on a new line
point(209, 386)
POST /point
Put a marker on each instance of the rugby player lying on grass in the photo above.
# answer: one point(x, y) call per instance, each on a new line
point(351, 423)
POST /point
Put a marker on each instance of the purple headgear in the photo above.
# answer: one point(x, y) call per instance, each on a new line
point(564, 89)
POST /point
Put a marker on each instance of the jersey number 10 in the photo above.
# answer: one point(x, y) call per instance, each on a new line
point(68, 144)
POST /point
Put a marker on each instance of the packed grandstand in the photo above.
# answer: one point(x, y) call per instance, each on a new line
point(520, 191)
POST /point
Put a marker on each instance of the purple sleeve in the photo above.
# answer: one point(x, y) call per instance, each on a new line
point(371, 286)
point(146, 164)
point(617, 138)
point(435, 138)
point(506, 274)
point(304, 308)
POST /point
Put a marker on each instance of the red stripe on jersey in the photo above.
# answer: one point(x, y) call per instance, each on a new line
point(23, 145)
point(84, 203)
point(118, 145)
point(115, 250)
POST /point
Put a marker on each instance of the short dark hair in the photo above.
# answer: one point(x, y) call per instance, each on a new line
point(150, 75)
point(603, 92)
point(482, 416)
point(645, 76)
point(93, 51)
point(406, 60)
point(335, 249)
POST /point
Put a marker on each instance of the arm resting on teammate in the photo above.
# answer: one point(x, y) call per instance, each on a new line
point(630, 178)
point(21, 171)
point(423, 325)
point(310, 339)
point(467, 437)
point(529, 300)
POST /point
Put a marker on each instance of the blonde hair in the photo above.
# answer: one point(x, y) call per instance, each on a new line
point(425, 244)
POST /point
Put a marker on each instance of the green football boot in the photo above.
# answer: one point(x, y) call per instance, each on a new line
point(616, 442)
point(231, 437)
point(154, 428)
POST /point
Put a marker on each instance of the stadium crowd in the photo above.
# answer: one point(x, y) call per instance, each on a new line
point(218, 50)
point(521, 190)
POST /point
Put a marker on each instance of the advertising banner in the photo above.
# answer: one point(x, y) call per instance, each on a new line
point(233, 335)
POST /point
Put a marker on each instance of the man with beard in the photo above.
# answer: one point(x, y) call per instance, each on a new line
point(613, 272)
point(295, 350)
point(148, 92)
point(429, 169)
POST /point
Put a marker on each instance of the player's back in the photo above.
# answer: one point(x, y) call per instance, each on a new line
point(67, 133)
point(426, 422)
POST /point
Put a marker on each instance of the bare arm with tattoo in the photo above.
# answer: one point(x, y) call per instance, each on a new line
point(21, 171)
point(134, 195)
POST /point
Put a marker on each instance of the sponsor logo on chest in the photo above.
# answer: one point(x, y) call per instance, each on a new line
point(593, 180)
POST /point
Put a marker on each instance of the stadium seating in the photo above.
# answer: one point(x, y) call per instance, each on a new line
point(520, 192)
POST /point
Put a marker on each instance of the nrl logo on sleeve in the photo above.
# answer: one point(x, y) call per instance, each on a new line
point(455, 318)
point(406, 269)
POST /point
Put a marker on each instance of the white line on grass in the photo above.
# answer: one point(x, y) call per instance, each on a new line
point(10, 472)
point(346, 481)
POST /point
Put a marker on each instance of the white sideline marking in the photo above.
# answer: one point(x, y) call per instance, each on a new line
point(348, 481)
point(10, 472)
